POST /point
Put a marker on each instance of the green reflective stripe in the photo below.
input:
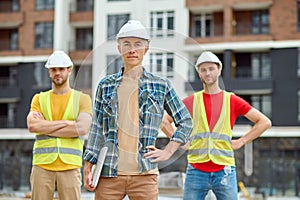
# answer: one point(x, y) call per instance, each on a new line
point(70, 151)
point(205, 151)
point(45, 150)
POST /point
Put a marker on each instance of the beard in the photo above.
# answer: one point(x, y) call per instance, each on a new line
point(211, 81)
point(59, 82)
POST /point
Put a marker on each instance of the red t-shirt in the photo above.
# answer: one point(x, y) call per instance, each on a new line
point(213, 104)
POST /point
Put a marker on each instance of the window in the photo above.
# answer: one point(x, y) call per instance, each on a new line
point(201, 25)
point(81, 77)
point(41, 76)
point(262, 103)
point(15, 5)
point(260, 22)
point(114, 23)
point(14, 39)
point(9, 6)
point(298, 68)
point(298, 105)
point(114, 64)
point(85, 5)
point(84, 39)
point(255, 66)
point(261, 66)
point(44, 4)
point(162, 24)
point(192, 73)
point(44, 35)
point(162, 64)
point(9, 39)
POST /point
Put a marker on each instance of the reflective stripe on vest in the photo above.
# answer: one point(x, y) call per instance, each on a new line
point(215, 145)
point(47, 148)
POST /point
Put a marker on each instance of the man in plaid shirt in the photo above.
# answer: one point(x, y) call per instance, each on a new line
point(128, 111)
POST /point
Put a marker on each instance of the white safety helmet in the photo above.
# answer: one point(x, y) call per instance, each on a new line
point(207, 56)
point(58, 59)
point(133, 28)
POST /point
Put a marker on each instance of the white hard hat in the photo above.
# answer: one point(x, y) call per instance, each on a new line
point(58, 59)
point(133, 28)
point(207, 56)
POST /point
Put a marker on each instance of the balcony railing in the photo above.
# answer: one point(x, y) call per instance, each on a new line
point(7, 45)
point(217, 30)
point(248, 73)
point(5, 82)
point(5, 123)
point(248, 29)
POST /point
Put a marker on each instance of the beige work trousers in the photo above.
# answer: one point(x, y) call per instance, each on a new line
point(137, 187)
point(44, 182)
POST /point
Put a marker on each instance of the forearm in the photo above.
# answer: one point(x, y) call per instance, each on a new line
point(261, 124)
point(59, 128)
point(46, 127)
point(172, 147)
point(255, 131)
point(69, 130)
point(166, 126)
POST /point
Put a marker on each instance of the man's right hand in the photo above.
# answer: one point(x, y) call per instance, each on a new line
point(88, 176)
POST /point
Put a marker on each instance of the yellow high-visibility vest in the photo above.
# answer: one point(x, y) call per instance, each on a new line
point(46, 148)
point(215, 145)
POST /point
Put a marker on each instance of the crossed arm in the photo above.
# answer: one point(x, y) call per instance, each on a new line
point(59, 128)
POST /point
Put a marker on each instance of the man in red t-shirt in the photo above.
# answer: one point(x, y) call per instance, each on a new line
point(211, 164)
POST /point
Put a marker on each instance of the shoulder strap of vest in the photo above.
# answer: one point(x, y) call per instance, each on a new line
point(73, 104)
point(199, 111)
point(225, 112)
point(44, 103)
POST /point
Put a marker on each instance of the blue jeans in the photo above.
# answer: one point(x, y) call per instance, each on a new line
point(223, 183)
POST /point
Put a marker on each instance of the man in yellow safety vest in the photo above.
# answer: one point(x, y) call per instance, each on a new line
point(211, 164)
point(59, 118)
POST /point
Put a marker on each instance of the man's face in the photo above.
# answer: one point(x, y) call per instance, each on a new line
point(209, 73)
point(132, 51)
point(59, 75)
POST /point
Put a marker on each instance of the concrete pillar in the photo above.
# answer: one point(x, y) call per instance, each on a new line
point(61, 25)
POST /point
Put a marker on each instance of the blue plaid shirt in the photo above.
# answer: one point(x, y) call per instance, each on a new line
point(155, 96)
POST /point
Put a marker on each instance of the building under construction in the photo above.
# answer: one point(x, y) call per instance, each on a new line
point(258, 42)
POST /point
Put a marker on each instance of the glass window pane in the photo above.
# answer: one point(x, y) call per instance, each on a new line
point(41, 77)
point(14, 39)
point(298, 10)
point(299, 105)
point(84, 39)
point(44, 4)
point(114, 23)
point(266, 66)
point(85, 5)
point(114, 64)
point(44, 35)
point(162, 24)
point(267, 105)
